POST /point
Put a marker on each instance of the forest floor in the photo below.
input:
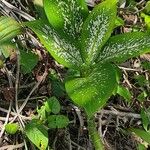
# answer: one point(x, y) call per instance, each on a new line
point(46, 80)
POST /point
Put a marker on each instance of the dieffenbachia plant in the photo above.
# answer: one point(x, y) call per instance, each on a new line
point(82, 41)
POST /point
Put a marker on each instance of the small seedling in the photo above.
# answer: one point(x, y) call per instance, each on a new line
point(11, 128)
point(48, 118)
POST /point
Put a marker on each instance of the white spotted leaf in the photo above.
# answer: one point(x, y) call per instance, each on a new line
point(64, 51)
point(92, 92)
point(66, 16)
point(97, 29)
point(122, 47)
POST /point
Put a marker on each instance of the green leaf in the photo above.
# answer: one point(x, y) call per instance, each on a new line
point(141, 147)
point(52, 105)
point(97, 29)
point(146, 65)
point(58, 88)
point(122, 47)
point(57, 121)
point(124, 92)
point(147, 8)
point(119, 22)
point(28, 61)
point(9, 28)
point(11, 128)
point(66, 16)
point(1, 64)
point(146, 20)
point(142, 134)
point(65, 52)
point(141, 80)
point(142, 96)
point(145, 119)
point(42, 113)
point(37, 134)
point(92, 91)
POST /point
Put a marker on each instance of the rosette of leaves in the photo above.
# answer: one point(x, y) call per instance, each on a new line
point(82, 41)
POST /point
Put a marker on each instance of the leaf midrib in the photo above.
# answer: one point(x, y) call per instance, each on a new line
point(112, 56)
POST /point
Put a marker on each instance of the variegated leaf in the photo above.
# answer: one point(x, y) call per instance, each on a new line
point(122, 47)
point(97, 29)
point(66, 16)
point(92, 92)
point(65, 52)
point(9, 28)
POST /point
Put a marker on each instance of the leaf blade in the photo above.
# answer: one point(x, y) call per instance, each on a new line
point(64, 51)
point(57, 121)
point(9, 28)
point(97, 29)
point(124, 92)
point(93, 91)
point(52, 105)
point(66, 16)
point(11, 128)
point(141, 133)
point(37, 134)
point(28, 66)
point(122, 47)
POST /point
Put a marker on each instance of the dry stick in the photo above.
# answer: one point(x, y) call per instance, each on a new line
point(6, 120)
point(8, 76)
point(130, 69)
point(14, 114)
point(10, 105)
point(78, 112)
point(10, 119)
point(28, 97)
point(125, 76)
point(33, 98)
point(17, 86)
point(90, 3)
point(35, 41)
point(11, 147)
point(3, 12)
point(68, 140)
point(80, 117)
point(22, 5)
point(16, 92)
point(122, 114)
point(17, 80)
point(27, 86)
point(18, 11)
point(100, 125)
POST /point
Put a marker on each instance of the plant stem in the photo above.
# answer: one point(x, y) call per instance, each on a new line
point(93, 133)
